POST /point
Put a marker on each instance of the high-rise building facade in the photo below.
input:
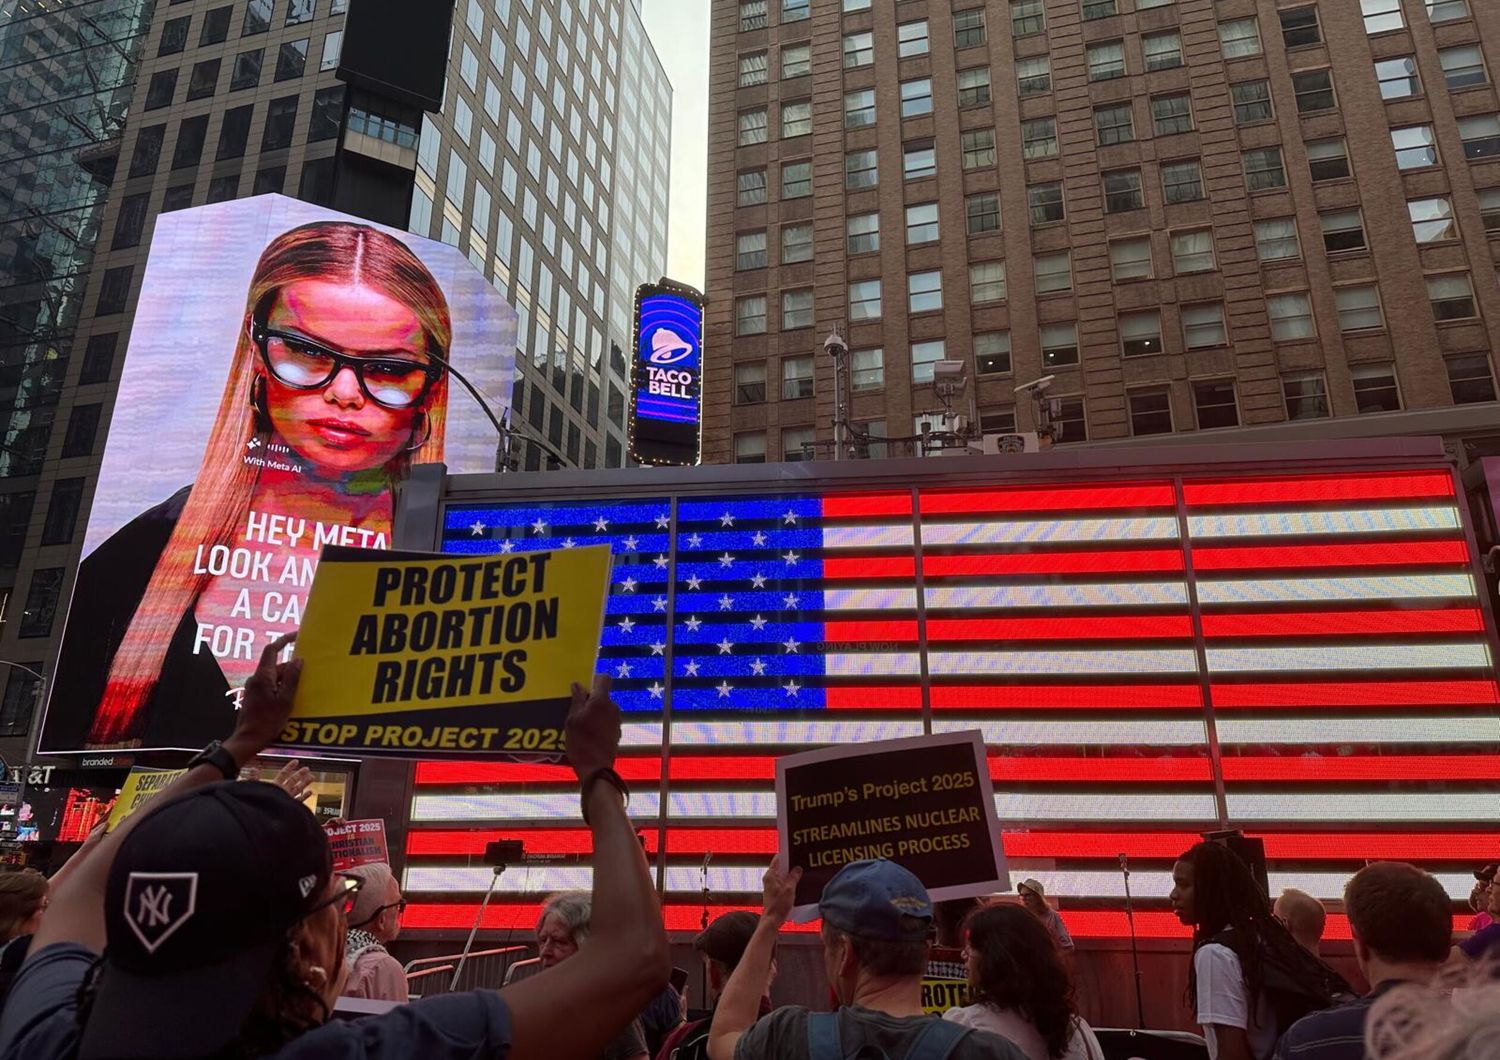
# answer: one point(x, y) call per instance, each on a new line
point(1196, 215)
point(547, 166)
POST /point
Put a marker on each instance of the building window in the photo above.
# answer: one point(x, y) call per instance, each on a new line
point(1314, 90)
point(1382, 16)
point(987, 281)
point(1059, 345)
point(41, 602)
point(750, 383)
point(257, 17)
point(299, 11)
point(796, 119)
point(1193, 251)
point(992, 352)
point(1299, 27)
point(1342, 230)
point(131, 221)
point(62, 512)
point(974, 86)
point(281, 116)
point(1182, 181)
point(797, 373)
point(1172, 114)
point(1415, 147)
point(968, 28)
point(1130, 259)
point(750, 251)
point(797, 443)
point(918, 159)
point(1263, 169)
point(1328, 159)
point(1140, 333)
point(753, 16)
point(796, 243)
point(796, 61)
point(1398, 77)
point(114, 288)
point(1276, 239)
point(83, 426)
point(1306, 396)
point(15, 520)
point(1489, 208)
point(911, 39)
point(1039, 138)
point(753, 69)
point(1375, 388)
point(1150, 410)
point(864, 300)
point(1470, 380)
point(1054, 272)
point(1359, 308)
point(1447, 10)
point(1291, 316)
point(1203, 326)
point(752, 187)
point(1214, 404)
point(982, 213)
point(188, 150)
point(863, 232)
point(291, 60)
point(923, 356)
point(333, 46)
point(750, 315)
point(327, 114)
point(1252, 101)
point(924, 292)
point(174, 35)
point(859, 108)
point(1452, 296)
point(99, 358)
point(1114, 124)
point(750, 446)
point(1239, 37)
point(203, 80)
point(159, 91)
point(1045, 202)
point(246, 72)
point(1432, 220)
point(753, 127)
point(867, 369)
point(859, 169)
point(796, 178)
point(1033, 74)
point(978, 148)
point(859, 50)
point(269, 180)
point(922, 223)
point(1027, 17)
point(916, 97)
point(181, 197)
point(1070, 423)
point(794, 10)
point(1481, 135)
point(1093, 9)
point(1122, 191)
point(1162, 51)
point(1106, 60)
point(215, 26)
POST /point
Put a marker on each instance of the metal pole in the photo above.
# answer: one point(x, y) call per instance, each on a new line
point(1135, 960)
point(478, 919)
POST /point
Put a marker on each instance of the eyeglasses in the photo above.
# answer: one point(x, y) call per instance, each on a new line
point(345, 891)
point(399, 907)
point(300, 363)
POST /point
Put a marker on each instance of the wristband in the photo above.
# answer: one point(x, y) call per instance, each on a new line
point(215, 755)
point(606, 774)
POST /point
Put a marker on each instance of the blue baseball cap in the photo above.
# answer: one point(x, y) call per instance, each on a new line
point(877, 900)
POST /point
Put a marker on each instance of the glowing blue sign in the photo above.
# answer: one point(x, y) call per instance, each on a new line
point(667, 376)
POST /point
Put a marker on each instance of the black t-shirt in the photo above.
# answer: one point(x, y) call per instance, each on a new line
point(783, 1035)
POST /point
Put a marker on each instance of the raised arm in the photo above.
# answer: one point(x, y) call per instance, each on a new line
point(739, 1005)
point(578, 1007)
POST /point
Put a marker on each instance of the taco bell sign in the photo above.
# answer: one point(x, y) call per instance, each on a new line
point(666, 414)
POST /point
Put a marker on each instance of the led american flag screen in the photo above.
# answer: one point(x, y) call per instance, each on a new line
point(1301, 655)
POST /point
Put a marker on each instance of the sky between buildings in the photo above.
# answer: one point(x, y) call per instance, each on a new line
point(679, 30)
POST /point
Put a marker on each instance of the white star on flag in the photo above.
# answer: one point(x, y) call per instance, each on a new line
point(758, 622)
point(693, 622)
point(601, 524)
point(791, 645)
point(658, 648)
point(477, 529)
point(695, 541)
point(792, 688)
point(630, 543)
point(790, 557)
point(790, 518)
point(626, 624)
point(726, 560)
point(507, 546)
point(628, 585)
point(661, 562)
point(656, 690)
point(759, 539)
point(694, 582)
point(726, 519)
point(659, 604)
point(623, 670)
point(725, 647)
point(568, 542)
point(691, 669)
point(663, 521)
point(726, 602)
point(758, 581)
point(724, 689)
point(539, 527)
point(790, 600)
point(758, 667)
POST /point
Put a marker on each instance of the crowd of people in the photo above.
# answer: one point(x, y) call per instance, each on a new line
point(210, 923)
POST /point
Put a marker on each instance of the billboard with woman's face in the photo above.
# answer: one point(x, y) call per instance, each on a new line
point(286, 368)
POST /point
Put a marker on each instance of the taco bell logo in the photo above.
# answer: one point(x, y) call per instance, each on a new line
point(668, 347)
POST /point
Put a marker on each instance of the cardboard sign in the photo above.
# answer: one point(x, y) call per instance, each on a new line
point(358, 843)
point(410, 655)
point(925, 803)
point(140, 787)
point(945, 983)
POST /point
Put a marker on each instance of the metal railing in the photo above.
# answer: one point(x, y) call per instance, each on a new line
point(481, 969)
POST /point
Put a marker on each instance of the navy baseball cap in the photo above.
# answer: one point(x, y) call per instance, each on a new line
point(200, 899)
point(877, 900)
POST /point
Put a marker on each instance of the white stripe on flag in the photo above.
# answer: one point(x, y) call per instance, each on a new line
point(1118, 594)
point(1028, 531)
point(1026, 806)
point(1111, 661)
point(870, 599)
point(841, 537)
point(1063, 733)
point(772, 733)
point(1350, 657)
point(1362, 807)
point(1287, 524)
point(1298, 590)
point(563, 805)
point(1386, 729)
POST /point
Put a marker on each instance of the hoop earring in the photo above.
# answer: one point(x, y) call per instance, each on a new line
point(426, 434)
point(258, 405)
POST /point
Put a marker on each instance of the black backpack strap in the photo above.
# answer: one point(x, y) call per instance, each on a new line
point(937, 1040)
point(823, 1036)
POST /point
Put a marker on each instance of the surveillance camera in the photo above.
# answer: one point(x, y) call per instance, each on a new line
point(1037, 385)
point(948, 370)
point(834, 345)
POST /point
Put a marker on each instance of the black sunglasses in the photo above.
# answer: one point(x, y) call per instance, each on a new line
point(301, 363)
point(345, 891)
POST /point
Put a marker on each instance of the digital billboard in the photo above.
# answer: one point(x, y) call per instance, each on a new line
point(666, 406)
point(288, 364)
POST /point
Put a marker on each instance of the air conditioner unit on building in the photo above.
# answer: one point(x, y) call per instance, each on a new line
point(1024, 442)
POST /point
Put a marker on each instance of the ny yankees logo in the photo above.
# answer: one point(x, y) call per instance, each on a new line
point(158, 903)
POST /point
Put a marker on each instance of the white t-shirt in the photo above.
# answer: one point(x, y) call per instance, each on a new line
point(1222, 999)
point(1020, 1032)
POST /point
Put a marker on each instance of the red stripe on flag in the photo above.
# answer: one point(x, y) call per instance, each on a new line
point(1370, 554)
point(1337, 623)
point(870, 697)
point(1099, 770)
point(522, 917)
point(1313, 489)
point(1046, 498)
point(1380, 768)
point(1113, 562)
point(1357, 693)
point(836, 505)
point(1063, 697)
point(836, 567)
point(1080, 628)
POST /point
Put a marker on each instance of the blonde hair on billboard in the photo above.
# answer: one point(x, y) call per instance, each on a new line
point(217, 505)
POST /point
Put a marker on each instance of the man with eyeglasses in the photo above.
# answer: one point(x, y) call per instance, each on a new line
point(375, 921)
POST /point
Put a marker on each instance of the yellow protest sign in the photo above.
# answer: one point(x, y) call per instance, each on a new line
point(412, 655)
point(141, 786)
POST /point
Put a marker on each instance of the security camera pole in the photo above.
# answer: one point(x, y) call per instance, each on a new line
point(835, 346)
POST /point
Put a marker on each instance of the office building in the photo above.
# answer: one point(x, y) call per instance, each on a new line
point(1197, 216)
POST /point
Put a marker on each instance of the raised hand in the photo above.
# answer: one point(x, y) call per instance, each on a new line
point(593, 728)
point(779, 891)
point(267, 703)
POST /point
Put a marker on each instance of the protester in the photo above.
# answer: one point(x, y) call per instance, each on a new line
point(1302, 915)
point(1479, 898)
point(720, 946)
point(223, 928)
point(23, 899)
point(1484, 944)
point(561, 930)
point(374, 921)
point(666, 1012)
point(876, 921)
point(1034, 898)
point(949, 919)
point(1020, 988)
point(1450, 1019)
